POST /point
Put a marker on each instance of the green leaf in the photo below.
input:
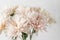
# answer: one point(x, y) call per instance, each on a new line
point(24, 36)
point(14, 38)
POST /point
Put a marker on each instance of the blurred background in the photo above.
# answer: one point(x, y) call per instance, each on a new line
point(53, 6)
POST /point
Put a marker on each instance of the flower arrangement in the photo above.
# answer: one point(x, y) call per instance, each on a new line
point(24, 21)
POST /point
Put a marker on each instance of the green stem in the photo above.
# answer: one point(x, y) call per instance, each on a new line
point(24, 36)
point(32, 34)
point(30, 37)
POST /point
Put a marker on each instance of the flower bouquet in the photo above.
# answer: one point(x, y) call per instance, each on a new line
point(21, 22)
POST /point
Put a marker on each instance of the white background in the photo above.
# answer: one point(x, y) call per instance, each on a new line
point(53, 6)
